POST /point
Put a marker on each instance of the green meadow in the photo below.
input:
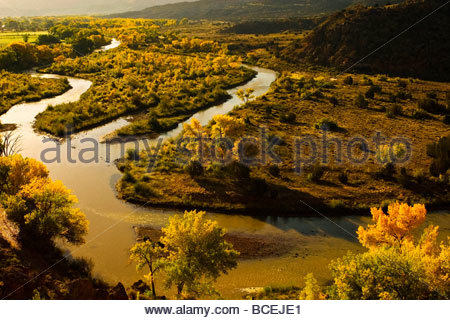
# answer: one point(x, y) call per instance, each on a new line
point(9, 37)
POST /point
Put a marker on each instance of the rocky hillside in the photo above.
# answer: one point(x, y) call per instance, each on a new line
point(348, 36)
point(273, 26)
point(34, 273)
point(236, 10)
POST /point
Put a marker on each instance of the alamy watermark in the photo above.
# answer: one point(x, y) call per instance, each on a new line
point(258, 150)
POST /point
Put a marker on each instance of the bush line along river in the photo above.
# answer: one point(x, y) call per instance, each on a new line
point(312, 242)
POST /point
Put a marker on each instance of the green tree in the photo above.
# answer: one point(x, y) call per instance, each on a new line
point(197, 253)
point(83, 46)
point(148, 253)
point(46, 39)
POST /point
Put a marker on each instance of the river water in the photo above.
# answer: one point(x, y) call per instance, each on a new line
point(314, 240)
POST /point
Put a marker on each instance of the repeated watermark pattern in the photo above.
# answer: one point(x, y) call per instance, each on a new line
point(251, 151)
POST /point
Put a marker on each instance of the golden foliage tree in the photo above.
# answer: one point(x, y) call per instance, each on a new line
point(197, 253)
point(246, 95)
point(397, 266)
point(42, 209)
point(16, 171)
point(227, 126)
point(392, 228)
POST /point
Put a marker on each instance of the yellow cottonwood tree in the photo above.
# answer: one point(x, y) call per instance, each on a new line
point(227, 126)
point(394, 227)
point(42, 209)
point(16, 171)
point(397, 266)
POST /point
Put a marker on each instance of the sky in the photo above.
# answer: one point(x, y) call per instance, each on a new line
point(55, 7)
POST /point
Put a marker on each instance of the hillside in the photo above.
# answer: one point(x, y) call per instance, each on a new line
point(348, 36)
point(235, 10)
point(29, 272)
point(269, 26)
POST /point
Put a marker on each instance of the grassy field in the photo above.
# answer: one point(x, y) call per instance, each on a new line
point(9, 37)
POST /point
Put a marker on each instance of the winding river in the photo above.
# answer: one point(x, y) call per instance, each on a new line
point(314, 241)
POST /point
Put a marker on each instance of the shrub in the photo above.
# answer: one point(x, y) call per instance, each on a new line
point(419, 175)
point(153, 122)
point(447, 119)
point(348, 80)
point(361, 102)
point(237, 170)
point(403, 178)
point(288, 118)
point(420, 115)
point(336, 204)
point(327, 124)
point(402, 95)
point(386, 153)
point(318, 94)
point(343, 177)
point(128, 177)
point(133, 155)
point(387, 171)
point(370, 93)
point(440, 152)
point(447, 98)
point(431, 106)
point(367, 81)
point(394, 110)
point(194, 169)
point(432, 95)
point(397, 258)
point(317, 172)
point(274, 170)
point(143, 190)
point(382, 77)
point(389, 113)
point(334, 101)
point(46, 39)
point(402, 83)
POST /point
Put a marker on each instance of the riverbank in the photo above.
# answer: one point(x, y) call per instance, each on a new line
point(138, 128)
point(354, 175)
point(24, 88)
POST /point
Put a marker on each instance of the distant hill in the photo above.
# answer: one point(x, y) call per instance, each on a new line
point(74, 7)
point(273, 25)
point(347, 36)
point(235, 10)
